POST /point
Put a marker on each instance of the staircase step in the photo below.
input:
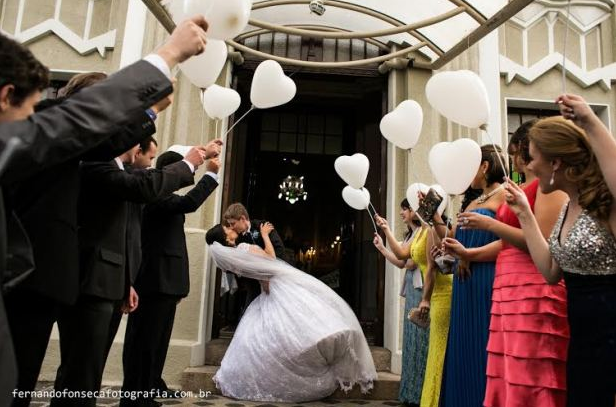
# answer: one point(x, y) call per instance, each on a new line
point(216, 348)
point(386, 387)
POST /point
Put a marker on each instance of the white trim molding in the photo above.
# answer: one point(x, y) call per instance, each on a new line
point(583, 18)
point(82, 44)
point(604, 75)
point(79, 44)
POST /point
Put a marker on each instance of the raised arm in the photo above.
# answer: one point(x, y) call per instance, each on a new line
point(266, 230)
point(575, 108)
point(194, 198)
point(535, 241)
point(474, 254)
point(401, 251)
point(140, 187)
point(378, 243)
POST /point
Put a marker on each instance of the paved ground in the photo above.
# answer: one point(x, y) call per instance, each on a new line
point(211, 400)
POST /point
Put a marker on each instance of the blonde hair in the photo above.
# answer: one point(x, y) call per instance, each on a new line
point(556, 137)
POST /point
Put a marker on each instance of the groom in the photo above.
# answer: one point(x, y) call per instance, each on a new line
point(249, 231)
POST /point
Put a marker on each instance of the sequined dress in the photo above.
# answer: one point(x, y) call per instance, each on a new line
point(529, 332)
point(587, 257)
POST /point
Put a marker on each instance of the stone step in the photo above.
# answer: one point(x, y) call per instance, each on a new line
point(386, 387)
point(216, 348)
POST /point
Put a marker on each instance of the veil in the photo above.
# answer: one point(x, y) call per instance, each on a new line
point(246, 264)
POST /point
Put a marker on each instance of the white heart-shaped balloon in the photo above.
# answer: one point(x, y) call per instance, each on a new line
point(180, 149)
point(441, 191)
point(412, 194)
point(353, 169)
point(460, 96)
point(402, 126)
point(202, 70)
point(220, 102)
point(225, 18)
point(356, 198)
point(270, 86)
point(177, 10)
point(455, 164)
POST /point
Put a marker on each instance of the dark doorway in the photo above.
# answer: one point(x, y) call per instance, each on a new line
point(331, 115)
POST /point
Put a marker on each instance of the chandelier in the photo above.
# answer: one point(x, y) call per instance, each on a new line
point(292, 189)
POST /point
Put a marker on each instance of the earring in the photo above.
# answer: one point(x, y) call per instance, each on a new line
point(552, 178)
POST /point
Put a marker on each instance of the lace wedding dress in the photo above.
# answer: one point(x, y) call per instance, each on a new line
point(297, 343)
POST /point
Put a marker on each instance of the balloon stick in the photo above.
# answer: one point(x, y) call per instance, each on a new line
point(565, 48)
point(372, 217)
point(498, 155)
point(410, 150)
point(240, 119)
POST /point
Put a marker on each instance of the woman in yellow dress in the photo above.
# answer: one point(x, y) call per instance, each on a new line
point(436, 300)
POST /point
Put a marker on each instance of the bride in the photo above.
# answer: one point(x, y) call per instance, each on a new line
point(298, 341)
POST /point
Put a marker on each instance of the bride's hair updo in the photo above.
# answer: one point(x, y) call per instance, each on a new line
point(216, 234)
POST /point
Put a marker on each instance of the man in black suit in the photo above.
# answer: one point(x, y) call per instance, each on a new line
point(163, 279)
point(248, 231)
point(33, 306)
point(29, 144)
point(105, 192)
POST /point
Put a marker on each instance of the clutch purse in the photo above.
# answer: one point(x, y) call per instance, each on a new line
point(429, 205)
point(445, 263)
point(418, 319)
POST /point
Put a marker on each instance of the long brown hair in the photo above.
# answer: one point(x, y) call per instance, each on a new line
point(556, 137)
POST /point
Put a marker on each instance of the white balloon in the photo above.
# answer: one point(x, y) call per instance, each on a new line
point(203, 70)
point(180, 149)
point(460, 96)
point(454, 165)
point(402, 126)
point(411, 194)
point(356, 198)
point(177, 9)
point(225, 18)
point(270, 86)
point(353, 169)
point(441, 191)
point(220, 102)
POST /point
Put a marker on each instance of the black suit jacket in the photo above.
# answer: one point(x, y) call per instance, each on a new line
point(61, 133)
point(164, 266)
point(94, 114)
point(254, 237)
point(103, 211)
point(47, 207)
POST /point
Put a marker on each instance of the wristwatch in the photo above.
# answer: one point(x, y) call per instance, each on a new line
point(151, 113)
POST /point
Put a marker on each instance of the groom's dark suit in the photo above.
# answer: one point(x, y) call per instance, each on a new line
point(253, 236)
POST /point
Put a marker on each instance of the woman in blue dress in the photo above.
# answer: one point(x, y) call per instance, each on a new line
point(464, 380)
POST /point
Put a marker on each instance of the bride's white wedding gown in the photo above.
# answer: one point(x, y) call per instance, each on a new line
point(297, 343)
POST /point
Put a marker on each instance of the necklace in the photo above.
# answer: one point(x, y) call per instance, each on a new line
point(484, 197)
